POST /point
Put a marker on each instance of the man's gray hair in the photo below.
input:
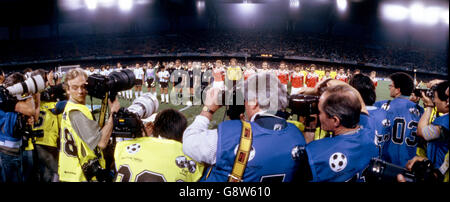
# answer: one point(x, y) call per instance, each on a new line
point(270, 94)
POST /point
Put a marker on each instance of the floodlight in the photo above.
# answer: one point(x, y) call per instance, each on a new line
point(394, 12)
point(91, 4)
point(342, 5)
point(125, 5)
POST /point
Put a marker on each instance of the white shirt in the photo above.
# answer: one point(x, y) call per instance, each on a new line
point(139, 73)
point(163, 74)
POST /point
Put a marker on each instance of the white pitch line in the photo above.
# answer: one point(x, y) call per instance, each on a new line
point(187, 107)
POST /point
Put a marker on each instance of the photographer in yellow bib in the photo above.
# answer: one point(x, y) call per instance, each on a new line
point(82, 140)
point(159, 158)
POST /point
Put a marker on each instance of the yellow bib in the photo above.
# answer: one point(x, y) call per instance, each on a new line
point(234, 73)
point(74, 152)
point(49, 123)
point(149, 159)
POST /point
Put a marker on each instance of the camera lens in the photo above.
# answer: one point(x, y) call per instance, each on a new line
point(144, 106)
point(123, 80)
point(31, 85)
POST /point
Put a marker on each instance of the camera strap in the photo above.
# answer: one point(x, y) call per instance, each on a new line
point(243, 153)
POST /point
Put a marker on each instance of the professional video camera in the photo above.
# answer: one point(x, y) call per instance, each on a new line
point(98, 85)
point(382, 171)
point(11, 95)
point(54, 93)
point(128, 121)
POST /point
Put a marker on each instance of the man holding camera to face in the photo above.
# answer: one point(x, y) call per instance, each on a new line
point(344, 156)
point(11, 133)
point(82, 140)
point(262, 141)
point(436, 134)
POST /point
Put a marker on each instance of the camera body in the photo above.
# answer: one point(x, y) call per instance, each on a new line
point(429, 92)
point(229, 98)
point(98, 85)
point(54, 93)
point(382, 171)
point(93, 169)
point(127, 124)
point(128, 121)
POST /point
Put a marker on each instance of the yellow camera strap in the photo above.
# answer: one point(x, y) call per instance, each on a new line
point(243, 153)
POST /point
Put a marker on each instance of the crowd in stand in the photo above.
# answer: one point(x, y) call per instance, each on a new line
point(331, 48)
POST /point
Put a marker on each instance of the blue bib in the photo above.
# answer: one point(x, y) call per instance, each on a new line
point(437, 149)
point(402, 117)
point(270, 157)
point(340, 158)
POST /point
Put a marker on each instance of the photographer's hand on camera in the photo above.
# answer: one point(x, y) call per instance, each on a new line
point(427, 102)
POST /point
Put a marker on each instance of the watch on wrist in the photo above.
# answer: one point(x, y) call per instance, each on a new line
point(206, 109)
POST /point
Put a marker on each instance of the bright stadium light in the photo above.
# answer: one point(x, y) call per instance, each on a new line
point(91, 4)
point(342, 5)
point(125, 5)
point(71, 4)
point(200, 6)
point(294, 3)
point(431, 15)
point(106, 3)
point(246, 7)
point(394, 12)
point(444, 16)
point(417, 13)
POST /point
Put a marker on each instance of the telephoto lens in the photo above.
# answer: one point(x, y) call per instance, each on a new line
point(144, 106)
point(32, 85)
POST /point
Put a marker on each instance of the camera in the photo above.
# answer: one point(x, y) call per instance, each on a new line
point(9, 96)
point(429, 92)
point(128, 121)
point(229, 99)
point(382, 171)
point(304, 105)
point(98, 85)
point(54, 94)
point(93, 169)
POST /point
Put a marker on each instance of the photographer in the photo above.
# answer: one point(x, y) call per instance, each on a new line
point(48, 123)
point(151, 159)
point(366, 88)
point(436, 133)
point(272, 138)
point(11, 134)
point(344, 156)
point(402, 116)
point(82, 140)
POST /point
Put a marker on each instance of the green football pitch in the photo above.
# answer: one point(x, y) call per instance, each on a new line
point(382, 92)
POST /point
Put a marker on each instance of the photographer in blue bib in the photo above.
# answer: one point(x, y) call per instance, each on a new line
point(17, 106)
point(256, 148)
point(436, 134)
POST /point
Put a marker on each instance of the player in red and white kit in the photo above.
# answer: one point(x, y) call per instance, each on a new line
point(219, 75)
point(297, 80)
point(283, 74)
point(373, 76)
point(265, 68)
point(312, 78)
point(249, 71)
point(341, 75)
